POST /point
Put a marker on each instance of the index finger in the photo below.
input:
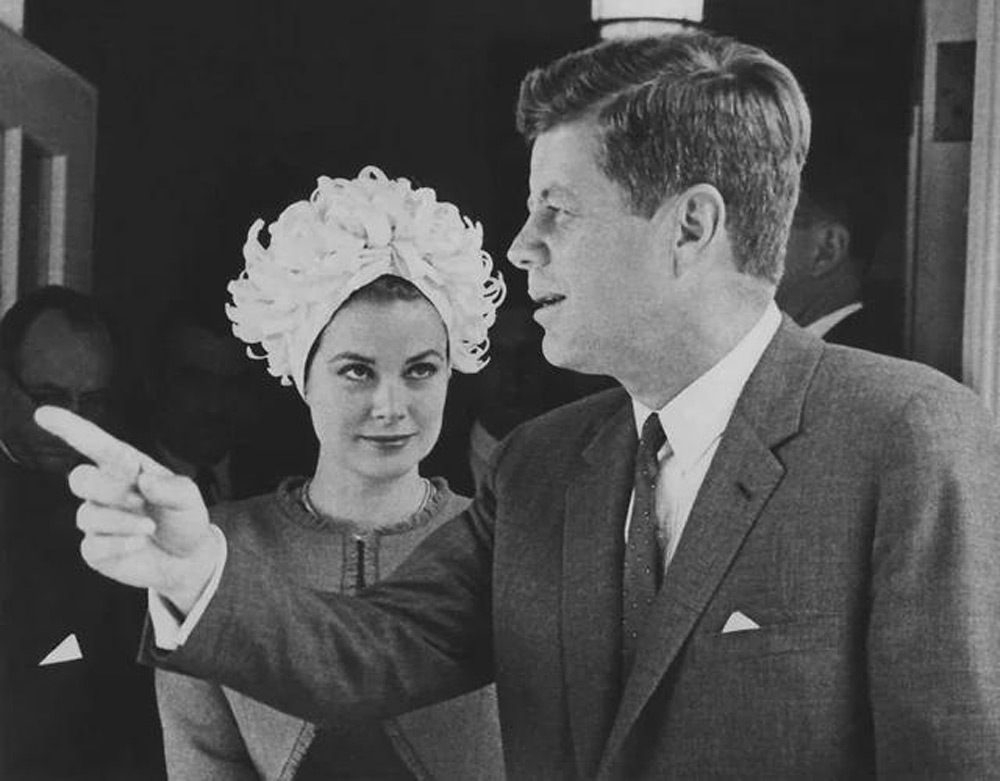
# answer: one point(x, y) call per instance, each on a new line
point(95, 443)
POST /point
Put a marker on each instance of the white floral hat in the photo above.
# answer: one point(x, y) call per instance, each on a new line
point(349, 233)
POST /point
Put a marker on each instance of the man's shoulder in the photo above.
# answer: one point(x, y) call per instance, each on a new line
point(885, 390)
point(798, 360)
point(576, 418)
point(882, 377)
point(560, 435)
point(849, 396)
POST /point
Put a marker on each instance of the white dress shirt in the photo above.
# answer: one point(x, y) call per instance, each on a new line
point(6, 451)
point(693, 422)
point(826, 323)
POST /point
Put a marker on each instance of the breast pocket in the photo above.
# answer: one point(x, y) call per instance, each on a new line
point(787, 636)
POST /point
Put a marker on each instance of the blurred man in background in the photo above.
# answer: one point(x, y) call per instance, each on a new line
point(205, 405)
point(73, 704)
point(826, 287)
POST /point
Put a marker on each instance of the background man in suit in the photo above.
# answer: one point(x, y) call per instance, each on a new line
point(798, 579)
point(204, 409)
point(72, 703)
point(826, 287)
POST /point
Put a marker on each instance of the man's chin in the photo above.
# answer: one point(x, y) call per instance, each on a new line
point(562, 356)
point(554, 352)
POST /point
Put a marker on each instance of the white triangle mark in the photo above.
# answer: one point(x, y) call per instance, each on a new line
point(67, 651)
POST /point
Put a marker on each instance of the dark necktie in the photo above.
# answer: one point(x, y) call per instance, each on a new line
point(643, 570)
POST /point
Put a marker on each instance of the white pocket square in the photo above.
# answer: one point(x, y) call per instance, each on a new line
point(739, 622)
point(67, 651)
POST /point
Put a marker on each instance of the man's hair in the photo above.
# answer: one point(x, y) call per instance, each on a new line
point(79, 309)
point(685, 109)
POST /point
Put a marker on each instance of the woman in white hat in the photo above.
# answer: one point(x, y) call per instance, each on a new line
point(366, 297)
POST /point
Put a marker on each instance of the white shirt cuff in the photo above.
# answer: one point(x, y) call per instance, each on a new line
point(169, 632)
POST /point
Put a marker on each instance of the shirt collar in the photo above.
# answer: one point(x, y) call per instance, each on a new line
point(826, 323)
point(696, 417)
point(7, 452)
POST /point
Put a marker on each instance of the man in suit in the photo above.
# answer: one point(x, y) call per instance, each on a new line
point(825, 287)
point(205, 409)
point(72, 704)
point(800, 578)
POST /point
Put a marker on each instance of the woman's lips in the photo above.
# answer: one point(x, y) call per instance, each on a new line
point(387, 441)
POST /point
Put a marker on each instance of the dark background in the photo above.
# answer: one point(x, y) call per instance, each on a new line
point(214, 113)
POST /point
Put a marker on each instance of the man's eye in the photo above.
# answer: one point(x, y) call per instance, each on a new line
point(554, 211)
point(421, 371)
point(355, 371)
point(546, 208)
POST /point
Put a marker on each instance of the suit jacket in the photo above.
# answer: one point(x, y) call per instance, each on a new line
point(73, 702)
point(851, 510)
point(875, 327)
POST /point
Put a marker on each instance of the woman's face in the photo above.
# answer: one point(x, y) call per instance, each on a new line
point(376, 386)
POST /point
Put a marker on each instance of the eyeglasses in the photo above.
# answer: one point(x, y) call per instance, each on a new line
point(93, 404)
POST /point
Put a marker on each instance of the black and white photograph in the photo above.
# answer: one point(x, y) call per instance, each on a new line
point(469, 390)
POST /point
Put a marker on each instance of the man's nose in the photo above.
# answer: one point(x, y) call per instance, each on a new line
point(389, 402)
point(526, 250)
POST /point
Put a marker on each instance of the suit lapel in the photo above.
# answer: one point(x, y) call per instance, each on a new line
point(596, 503)
point(743, 475)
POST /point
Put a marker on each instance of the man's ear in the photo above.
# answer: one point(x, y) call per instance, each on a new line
point(833, 245)
point(700, 218)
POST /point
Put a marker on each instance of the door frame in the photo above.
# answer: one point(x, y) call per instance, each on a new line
point(44, 101)
point(981, 342)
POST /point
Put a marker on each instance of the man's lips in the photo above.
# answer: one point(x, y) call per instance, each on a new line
point(547, 299)
point(544, 304)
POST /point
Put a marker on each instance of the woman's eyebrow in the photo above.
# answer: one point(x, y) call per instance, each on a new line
point(349, 356)
point(424, 355)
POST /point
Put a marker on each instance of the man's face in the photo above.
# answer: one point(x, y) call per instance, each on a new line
point(593, 266)
point(198, 394)
point(817, 245)
point(62, 365)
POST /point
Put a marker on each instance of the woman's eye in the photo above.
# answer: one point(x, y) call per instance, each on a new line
point(355, 371)
point(421, 371)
